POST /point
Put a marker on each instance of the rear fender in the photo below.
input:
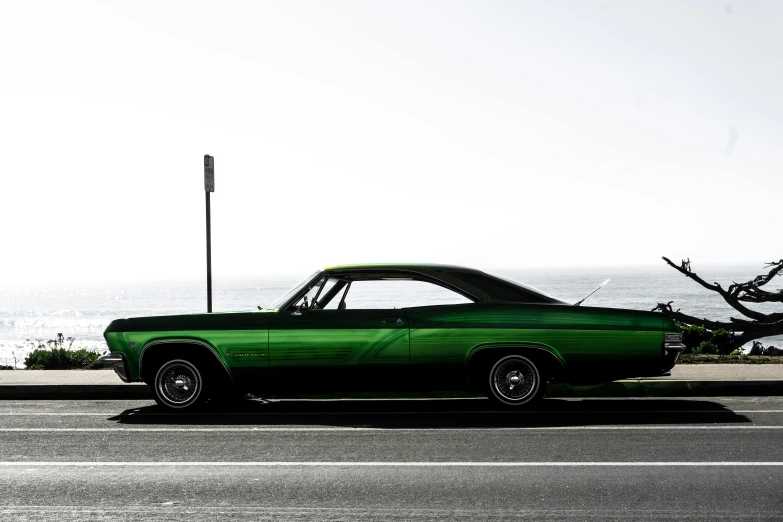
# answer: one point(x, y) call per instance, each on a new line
point(481, 357)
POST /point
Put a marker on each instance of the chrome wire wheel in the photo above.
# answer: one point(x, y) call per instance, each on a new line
point(178, 383)
point(514, 380)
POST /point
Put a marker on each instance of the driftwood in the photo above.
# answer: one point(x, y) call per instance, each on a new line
point(755, 324)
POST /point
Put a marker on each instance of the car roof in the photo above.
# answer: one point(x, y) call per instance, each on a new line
point(401, 266)
point(488, 286)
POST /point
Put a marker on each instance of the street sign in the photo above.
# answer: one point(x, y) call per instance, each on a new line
point(209, 173)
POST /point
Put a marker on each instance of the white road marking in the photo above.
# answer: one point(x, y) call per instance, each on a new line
point(391, 430)
point(383, 464)
point(55, 414)
point(305, 413)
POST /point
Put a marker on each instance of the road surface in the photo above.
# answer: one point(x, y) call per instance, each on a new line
point(571, 459)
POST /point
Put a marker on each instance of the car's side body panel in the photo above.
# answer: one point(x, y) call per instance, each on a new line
point(592, 343)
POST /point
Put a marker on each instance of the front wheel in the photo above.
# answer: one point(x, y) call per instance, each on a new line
point(515, 381)
point(179, 385)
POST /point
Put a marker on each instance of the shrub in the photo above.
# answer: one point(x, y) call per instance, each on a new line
point(693, 336)
point(699, 339)
point(61, 359)
point(56, 357)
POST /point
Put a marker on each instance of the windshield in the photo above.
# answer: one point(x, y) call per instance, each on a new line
point(290, 294)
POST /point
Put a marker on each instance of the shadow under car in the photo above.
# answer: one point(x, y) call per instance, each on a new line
point(439, 414)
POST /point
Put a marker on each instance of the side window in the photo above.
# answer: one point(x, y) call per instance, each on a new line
point(500, 290)
point(323, 294)
point(306, 301)
point(339, 297)
point(399, 293)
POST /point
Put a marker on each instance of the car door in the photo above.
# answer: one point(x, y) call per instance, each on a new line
point(329, 350)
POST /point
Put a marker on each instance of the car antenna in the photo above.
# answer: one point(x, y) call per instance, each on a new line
point(591, 293)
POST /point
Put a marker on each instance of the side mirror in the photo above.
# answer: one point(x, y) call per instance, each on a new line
point(304, 305)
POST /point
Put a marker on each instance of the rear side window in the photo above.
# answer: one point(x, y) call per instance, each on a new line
point(500, 290)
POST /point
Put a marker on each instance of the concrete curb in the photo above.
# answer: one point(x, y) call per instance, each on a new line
point(670, 388)
point(113, 392)
point(624, 388)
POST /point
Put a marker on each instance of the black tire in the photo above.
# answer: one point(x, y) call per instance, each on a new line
point(179, 385)
point(516, 382)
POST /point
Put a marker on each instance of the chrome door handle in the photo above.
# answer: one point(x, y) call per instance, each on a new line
point(395, 320)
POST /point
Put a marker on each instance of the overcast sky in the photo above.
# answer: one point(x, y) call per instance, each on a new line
point(490, 134)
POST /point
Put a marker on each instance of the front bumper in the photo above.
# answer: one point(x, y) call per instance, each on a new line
point(117, 361)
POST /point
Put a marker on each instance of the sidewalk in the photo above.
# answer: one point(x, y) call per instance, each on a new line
point(685, 380)
point(68, 384)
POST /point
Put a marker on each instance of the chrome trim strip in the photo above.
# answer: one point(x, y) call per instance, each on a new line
point(212, 350)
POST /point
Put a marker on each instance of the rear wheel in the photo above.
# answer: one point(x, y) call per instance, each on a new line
point(516, 381)
point(179, 385)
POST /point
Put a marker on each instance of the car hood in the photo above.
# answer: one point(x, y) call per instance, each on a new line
point(214, 321)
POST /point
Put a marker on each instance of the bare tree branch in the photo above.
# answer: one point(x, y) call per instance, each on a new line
point(732, 300)
point(752, 292)
point(762, 296)
point(666, 308)
point(745, 330)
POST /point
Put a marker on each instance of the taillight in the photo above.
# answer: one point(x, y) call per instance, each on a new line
point(672, 338)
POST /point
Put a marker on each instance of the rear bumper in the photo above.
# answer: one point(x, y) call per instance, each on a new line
point(117, 361)
point(671, 352)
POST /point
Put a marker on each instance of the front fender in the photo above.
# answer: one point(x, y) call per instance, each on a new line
point(182, 341)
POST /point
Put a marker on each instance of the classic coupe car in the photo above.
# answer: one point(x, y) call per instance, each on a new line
point(392, 328)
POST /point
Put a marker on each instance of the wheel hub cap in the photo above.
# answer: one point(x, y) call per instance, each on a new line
point(514, 380)
point(179, 383)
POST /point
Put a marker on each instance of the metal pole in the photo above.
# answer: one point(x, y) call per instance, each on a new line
point(209, 259)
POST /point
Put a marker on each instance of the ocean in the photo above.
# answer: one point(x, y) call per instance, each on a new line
point(84, 311)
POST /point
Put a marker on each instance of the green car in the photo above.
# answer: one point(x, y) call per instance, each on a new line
point(392, 328)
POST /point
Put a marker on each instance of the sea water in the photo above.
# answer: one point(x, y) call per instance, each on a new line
point(28, 313)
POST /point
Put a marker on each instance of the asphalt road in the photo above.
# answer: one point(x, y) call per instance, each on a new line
point(598, 459)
